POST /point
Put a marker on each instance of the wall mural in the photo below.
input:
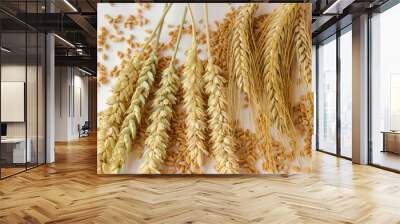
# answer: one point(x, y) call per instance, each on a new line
point(199, 88)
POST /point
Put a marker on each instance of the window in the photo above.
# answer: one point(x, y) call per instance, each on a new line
point(22, 77)
point(346, 93)
point(327, 96)
point(385, 89)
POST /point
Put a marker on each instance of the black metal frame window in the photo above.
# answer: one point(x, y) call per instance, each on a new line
point(373, 147)
point(325, 103)
point(25, 59)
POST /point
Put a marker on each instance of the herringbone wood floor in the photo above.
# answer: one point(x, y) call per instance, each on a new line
point(70, 191)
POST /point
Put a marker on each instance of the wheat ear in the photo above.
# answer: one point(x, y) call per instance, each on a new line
point(241, 61)
point(162, 112)
point(132, 120)
point(272, 101)
point(117, 104)
point(303, 51)
point(194, 105)
point(272, 71)
point(221, 130)
point(303, 46)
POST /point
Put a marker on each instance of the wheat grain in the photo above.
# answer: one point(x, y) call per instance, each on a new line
point(246, 146)
point(219, 40)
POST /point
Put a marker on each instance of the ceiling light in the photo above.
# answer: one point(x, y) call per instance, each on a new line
point(84, 71)
point(70, 5)
point(64, 40)
point(5, 50)
point(337, 7)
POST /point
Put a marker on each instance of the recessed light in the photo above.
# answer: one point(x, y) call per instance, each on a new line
point(5, 50)
point(338, 6)
point(70, 5)
point(84, 71)
point(64, 40)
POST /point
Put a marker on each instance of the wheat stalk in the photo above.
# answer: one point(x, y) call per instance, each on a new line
point(165, 99)
point(221, 131)
point(194, 104)
point(132, 120)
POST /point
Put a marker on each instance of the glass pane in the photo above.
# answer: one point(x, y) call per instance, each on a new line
point(31, 98)
point(386, 89)
point(327, 97)
point(346, 94)
point(13, 91)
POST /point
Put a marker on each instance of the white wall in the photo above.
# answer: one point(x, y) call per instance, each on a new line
point(61, 103)
point(12, 73)
point(33, 127)
point(16, 73)
point(70, 83)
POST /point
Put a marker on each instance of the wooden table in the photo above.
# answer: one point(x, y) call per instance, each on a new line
point(391, 141)
point(15, 148)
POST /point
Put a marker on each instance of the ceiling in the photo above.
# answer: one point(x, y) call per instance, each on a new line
point(76, 22)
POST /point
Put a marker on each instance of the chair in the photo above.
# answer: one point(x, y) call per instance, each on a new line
point(84, 130)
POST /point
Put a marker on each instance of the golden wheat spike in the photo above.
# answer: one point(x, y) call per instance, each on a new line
point(117, 104)
point(303, 52)
point(219, 123)
point(132, 120)
point(221, 131)
point(241, 47)
point(194, 105)
point(272, 71)
point(270, 90)
point(303, 46)
point(162, 113)
point(241, 62)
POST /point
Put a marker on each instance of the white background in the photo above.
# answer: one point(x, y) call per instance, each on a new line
point(216, 12)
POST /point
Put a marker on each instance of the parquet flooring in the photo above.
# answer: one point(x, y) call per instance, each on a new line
point(70, 191)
